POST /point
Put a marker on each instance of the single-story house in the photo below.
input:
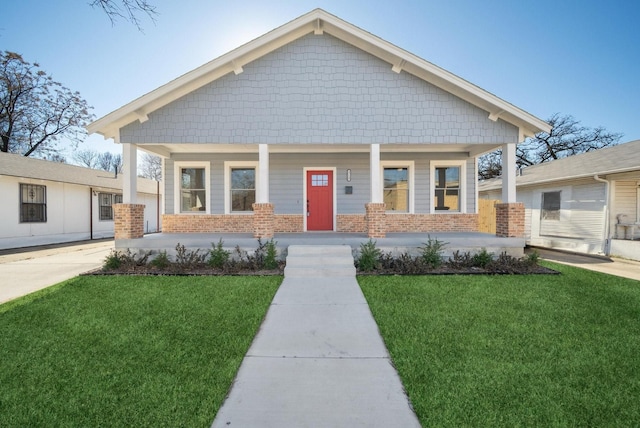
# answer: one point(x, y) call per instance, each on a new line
point(318, 125)
point(587, 203)
point(48, 202)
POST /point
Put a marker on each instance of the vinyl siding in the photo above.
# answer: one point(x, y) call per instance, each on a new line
point(319, 89)
point(625, 201)
point(286, 178)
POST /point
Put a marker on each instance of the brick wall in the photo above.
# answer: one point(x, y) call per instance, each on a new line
point(289, 223)
point(263, 220)
point(198, 223)
point(510, 220)
point(375, 220)
point(431, 223)
point(351, 223)
point(128, 221)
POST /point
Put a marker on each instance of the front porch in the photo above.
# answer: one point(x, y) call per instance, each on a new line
point(393, 242)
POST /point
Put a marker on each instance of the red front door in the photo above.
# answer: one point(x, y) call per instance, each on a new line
point(319, 200)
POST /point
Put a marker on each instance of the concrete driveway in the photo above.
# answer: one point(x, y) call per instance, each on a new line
point(611, 265)
point(23, 272)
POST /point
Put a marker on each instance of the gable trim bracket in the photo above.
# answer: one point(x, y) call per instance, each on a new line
point(397, 67)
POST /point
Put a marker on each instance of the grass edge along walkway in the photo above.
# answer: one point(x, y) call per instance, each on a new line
point(514, 350)
point(127, 351)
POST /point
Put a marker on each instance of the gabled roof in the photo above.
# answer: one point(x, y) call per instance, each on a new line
point(317, 21)
point(619, 159)
point(15, 165)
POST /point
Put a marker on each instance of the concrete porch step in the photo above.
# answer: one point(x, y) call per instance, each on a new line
point(319, 261)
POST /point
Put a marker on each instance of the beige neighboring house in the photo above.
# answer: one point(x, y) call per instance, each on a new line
point(318, 125)
point(587, 203)
point(48, 202)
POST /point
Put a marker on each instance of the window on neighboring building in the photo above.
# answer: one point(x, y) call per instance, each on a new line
point(193, 193)
point(550, 206)
point(106, 205)
point(33, 203)
point(396, 189)
point(447, 188)
point(243, 189)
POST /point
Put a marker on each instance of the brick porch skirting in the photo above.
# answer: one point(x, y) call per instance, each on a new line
point(431, 223)
point(510, 220)
point(207, 223)
point(128, 221)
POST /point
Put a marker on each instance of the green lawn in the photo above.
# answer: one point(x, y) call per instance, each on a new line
point(514, 350)
point(127, 351)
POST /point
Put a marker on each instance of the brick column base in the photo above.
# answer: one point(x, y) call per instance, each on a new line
point(128, 221)
point(375, 220)
point(510, 220)
point(263, 220)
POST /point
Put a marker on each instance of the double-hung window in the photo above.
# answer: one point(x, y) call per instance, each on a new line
point(550, 206)
point(192, 187)
point(240, 186)
point(447, 186)
point(397, 186)
point(106, 201)
point(33, 203)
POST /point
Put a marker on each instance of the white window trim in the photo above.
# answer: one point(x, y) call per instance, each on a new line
point(638, 203)
point(177, 185)
point(334, 170)
point(410, 165)
point(228, 166)
point(113, 202)
point(462, 164)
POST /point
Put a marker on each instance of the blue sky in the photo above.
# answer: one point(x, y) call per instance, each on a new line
point(578, 57)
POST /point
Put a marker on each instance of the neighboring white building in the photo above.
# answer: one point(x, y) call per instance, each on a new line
point(587, 203)
point(48, 202)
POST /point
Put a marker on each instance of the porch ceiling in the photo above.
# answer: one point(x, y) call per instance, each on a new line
point(165, 150)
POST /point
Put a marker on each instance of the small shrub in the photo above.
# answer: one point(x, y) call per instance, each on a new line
point(431, 252)
point(271, 256)
point(482, 259)
point(218, 256)
point(161, 261)
point(532, 258)
point(187, 259)
point(124, 260)
point(370, 256)
point(112, 261)
point(460, 260)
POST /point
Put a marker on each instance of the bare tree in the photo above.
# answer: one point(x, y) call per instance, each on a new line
point(35, 110)
point(88, 157)
point(129, 10)
point(567, 138)
point(109, 162)
point(150, 166)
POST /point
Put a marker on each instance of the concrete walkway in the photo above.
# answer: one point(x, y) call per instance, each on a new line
point(24, 272)
point(318, 359)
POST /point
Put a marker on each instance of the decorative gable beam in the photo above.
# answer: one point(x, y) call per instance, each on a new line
point(237, 68)
point(317, 28)
point(397, 67)
point(493, 116)
point(141, 115)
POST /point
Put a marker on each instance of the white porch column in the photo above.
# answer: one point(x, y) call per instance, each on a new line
point(129, 173)
point(262, 196)
point(374, 169)
point(509, 173)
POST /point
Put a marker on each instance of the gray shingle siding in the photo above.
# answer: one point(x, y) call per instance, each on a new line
point(319, 89)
